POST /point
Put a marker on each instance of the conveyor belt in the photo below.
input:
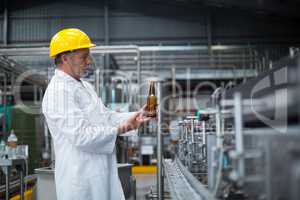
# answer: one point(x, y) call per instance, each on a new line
point(182, 184)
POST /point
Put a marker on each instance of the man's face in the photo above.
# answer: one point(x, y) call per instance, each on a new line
point(78, 62)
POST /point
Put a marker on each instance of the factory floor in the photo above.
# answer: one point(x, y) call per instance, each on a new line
point(144, 183)
point(146, 187)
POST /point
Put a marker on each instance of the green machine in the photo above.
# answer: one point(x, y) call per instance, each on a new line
point(5, 113)
point(29, 130)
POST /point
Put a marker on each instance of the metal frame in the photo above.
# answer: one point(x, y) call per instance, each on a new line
point(189, 61)
point(5, 166)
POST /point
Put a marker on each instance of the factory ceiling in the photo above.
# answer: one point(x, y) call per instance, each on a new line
point(280, 8)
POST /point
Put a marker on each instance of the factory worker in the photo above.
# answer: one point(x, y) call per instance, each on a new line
point(84, 131)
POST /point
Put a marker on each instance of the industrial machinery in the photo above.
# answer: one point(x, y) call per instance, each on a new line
point(21, 93)
point(244, 144)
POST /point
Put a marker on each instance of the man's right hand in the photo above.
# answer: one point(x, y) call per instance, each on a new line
point(134, 122)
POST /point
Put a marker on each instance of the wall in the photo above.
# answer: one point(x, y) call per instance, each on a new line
point(147, 22)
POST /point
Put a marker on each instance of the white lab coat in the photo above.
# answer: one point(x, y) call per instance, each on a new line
point(84, 134)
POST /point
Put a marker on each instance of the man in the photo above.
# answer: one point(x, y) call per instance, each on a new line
point(83, 129)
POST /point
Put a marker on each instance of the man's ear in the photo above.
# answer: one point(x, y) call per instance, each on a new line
point(64, 58)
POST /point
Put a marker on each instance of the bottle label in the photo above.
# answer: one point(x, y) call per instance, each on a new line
point(12, 144)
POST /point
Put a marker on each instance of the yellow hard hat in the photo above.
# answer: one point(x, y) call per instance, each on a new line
point(69, 39)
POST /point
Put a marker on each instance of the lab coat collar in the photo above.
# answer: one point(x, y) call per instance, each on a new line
point(66, 76)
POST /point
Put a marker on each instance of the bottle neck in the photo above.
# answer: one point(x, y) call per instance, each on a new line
point(152, 89)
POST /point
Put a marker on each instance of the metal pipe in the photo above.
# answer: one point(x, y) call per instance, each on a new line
point(238, 123)
point(188, 86)
point(6, 170)
point(203, 133)
point(218, 127)
point(104, 49)
point(173, 48)
point(32, 50)
point(193, 139)
point(236, 56)
point(159, 148)
point(4, 103)
point(173, 75)
point(21, 183)
point(186, 132)
point(189, 48)
point(185, 142)
point(181, 130)
point(192, 131)
point(198, 61)
point(211, 143)
point(46, 134)
point(139, 81)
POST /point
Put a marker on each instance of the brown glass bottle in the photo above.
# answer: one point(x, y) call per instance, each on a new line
point(151, 101)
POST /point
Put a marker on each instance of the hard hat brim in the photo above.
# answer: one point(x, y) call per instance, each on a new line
point(81, 47)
